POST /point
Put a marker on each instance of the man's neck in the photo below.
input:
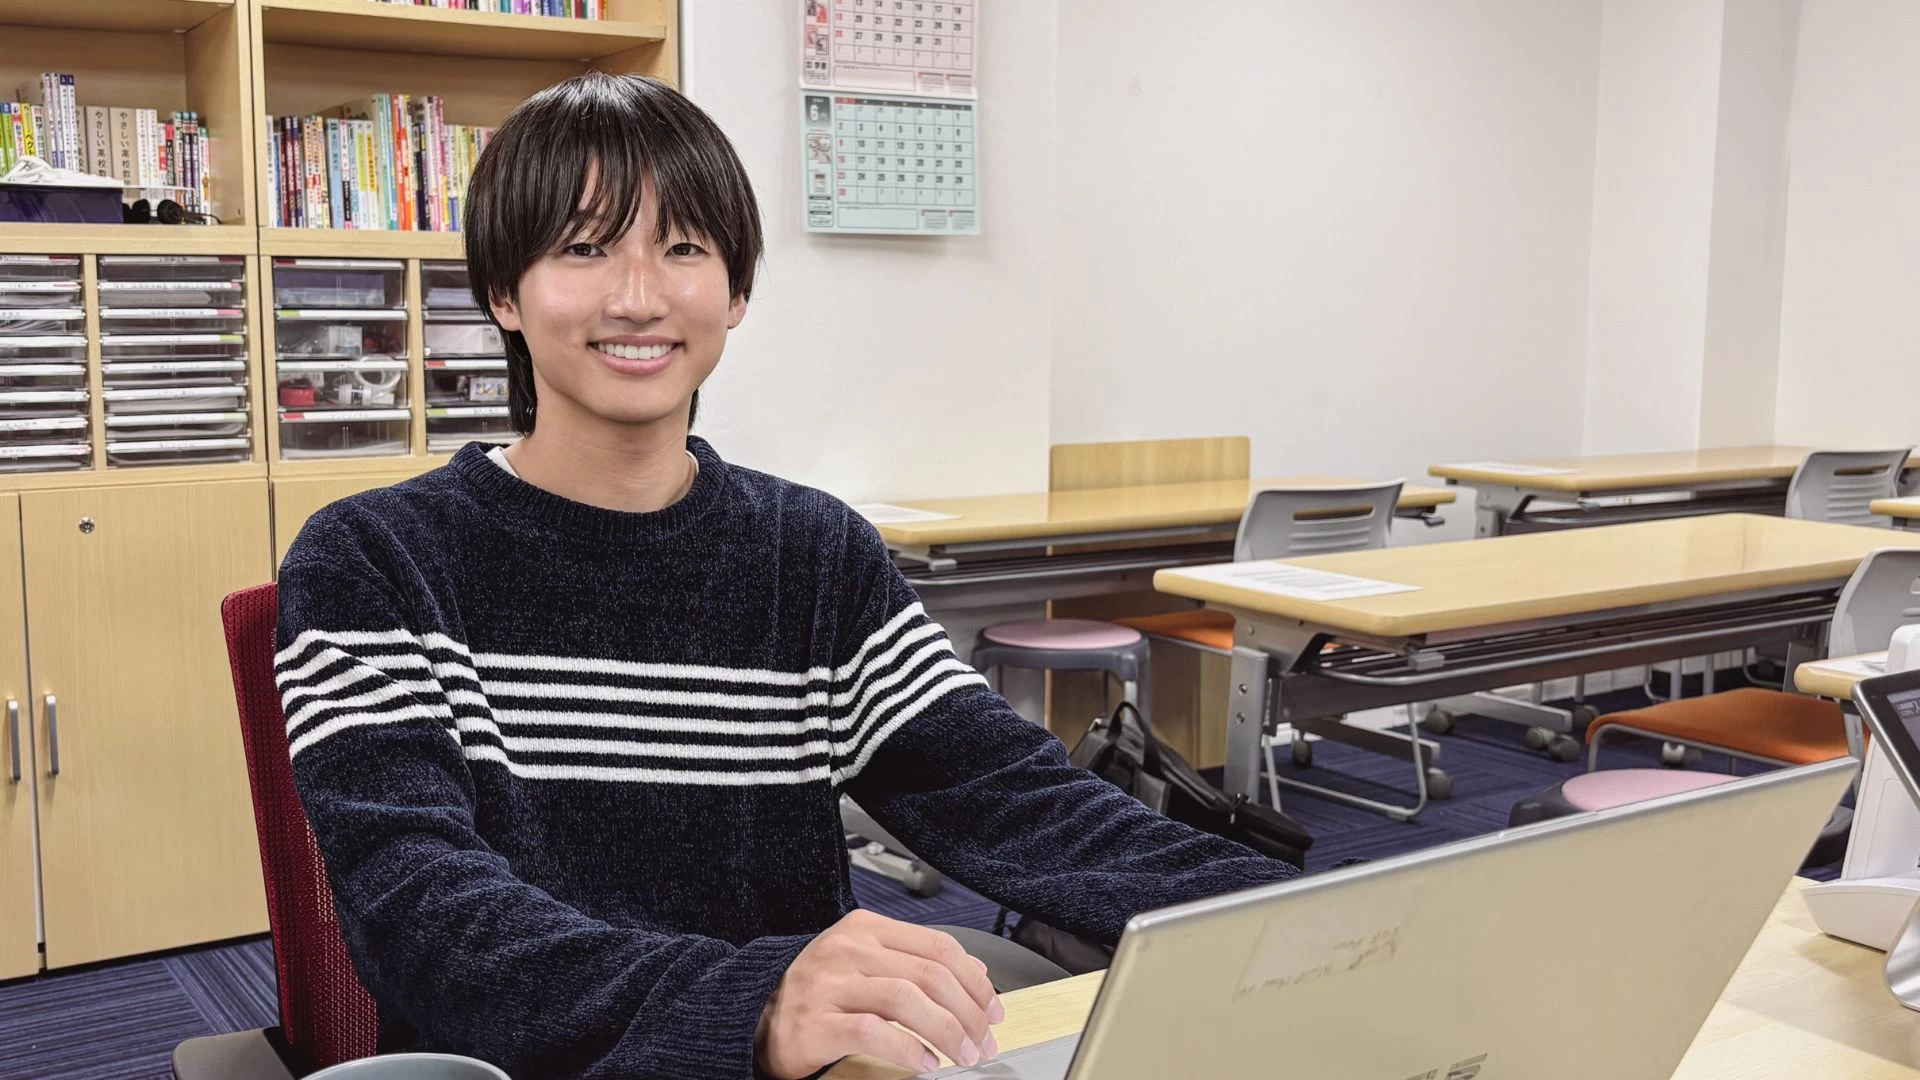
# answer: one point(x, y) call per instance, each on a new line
point(635, 468)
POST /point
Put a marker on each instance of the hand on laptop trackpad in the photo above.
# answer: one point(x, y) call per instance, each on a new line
point(1047, 1061)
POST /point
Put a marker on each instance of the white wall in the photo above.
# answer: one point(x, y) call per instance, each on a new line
point(1850, 313)
point(1354, 231)
point(1652, 203)
point(927, 373)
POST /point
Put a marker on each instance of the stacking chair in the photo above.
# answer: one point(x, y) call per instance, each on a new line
point(1777, 727)
point(1285, 523)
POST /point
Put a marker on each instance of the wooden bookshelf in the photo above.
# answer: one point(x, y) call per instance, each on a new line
point(382, 27)
point(133, 16)
point(362, 244)
point(128, 239)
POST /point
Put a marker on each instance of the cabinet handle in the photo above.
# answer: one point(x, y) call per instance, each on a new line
point(13, 728)
point(53, 736)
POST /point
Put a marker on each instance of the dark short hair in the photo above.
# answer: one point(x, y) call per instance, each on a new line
point(526, 196)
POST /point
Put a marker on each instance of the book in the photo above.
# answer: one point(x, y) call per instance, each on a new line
point(124, 145)
point(145, 153)
point(70, 115)
point(274, 220)
point(99, 141)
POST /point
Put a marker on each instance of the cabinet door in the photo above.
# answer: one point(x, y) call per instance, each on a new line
point(296, 500)
point(146, 828)
point(19, 935)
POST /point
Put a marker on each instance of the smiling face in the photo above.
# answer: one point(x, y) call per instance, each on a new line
point(623, 332)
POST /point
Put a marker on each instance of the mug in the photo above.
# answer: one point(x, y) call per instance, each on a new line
point(412, 1067)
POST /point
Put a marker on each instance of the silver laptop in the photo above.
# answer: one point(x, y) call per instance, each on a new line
point(1591, 946)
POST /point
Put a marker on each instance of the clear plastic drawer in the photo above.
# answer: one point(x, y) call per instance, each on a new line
point(467, 382)
point(153, 452)
point(43, 322)
point(153, 347)
point(15, 268)
point(172, 267)
point(471, 335)
point(450, 428)
point(50, 456)
point(332, 433)
point(180, 320)
point(339, 283)
point(172, 293)
point(342, 384)
point(221, 397)
point(70, 348)
point(37, 430)
point(339, 334)
point(48, 293)
point(37, 390)
point(224, 423)
point(197, 372)
point(445, 286)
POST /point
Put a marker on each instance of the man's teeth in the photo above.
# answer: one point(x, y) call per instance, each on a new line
point(635, 352)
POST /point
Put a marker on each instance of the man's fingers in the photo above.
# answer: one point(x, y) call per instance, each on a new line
point(868, 1034)
point(903, 1002)
point(940, 947)
point(938, 982)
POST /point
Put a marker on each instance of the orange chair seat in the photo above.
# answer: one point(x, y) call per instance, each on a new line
point(1211, 629)
point(1764, 723)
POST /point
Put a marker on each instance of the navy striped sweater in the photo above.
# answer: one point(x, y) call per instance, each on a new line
point(575, 772)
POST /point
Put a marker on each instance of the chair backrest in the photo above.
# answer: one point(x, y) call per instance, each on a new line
point(1286, 522)
point(326, 1014)
point(1840, 485)
point(1882, 596)
point(1079, 466)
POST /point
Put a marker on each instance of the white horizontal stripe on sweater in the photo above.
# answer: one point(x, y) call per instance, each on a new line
point(629, 775)
point(623, 748)
point(899, 720)
point(353, 720)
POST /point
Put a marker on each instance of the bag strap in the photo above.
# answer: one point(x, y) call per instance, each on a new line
point(1150, 738)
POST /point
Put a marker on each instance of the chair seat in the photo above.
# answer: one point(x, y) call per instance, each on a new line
point(1619, 787)
point(1208, 629)
point(1764, 723)
point(1061, 634)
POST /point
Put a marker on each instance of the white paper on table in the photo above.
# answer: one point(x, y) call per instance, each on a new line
point(1510, 468)
point(889, 514)
point(1284, 579)
point(1864, 666)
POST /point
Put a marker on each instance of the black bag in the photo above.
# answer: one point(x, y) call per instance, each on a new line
point(1133, 758)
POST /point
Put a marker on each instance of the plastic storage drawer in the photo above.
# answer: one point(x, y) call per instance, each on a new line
point(450, 428)
point(471, 335)
point(342, 384)
point(181, 320)
point(475, 381)
point(173, 293)
point(40, 268)
point(50, 293)
point(340, 433)
point(445, 286)
point(59, 348)
point(339, 283)
point(339, 334)
point(42, 322)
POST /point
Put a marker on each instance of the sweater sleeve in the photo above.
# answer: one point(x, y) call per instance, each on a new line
point(949, 768)
point(447, 939)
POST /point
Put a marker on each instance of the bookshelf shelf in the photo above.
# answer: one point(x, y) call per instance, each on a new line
point(362, 244)
point(379, 27)
point(142, 16)
point(129, 239)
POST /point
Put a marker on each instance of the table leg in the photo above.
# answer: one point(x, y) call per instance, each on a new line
point(1247, 712)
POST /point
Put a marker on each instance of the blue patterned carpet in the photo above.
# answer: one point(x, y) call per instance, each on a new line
point(123, 1019)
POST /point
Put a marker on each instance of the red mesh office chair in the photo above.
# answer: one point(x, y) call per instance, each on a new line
point(326, 1016)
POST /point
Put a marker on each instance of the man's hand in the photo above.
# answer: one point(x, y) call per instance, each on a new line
point(865, 973)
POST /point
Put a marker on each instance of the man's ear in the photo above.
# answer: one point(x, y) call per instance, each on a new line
point(736, 311)
point(508, 313)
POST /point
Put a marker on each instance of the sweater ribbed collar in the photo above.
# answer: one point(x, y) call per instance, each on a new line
point(497, 488)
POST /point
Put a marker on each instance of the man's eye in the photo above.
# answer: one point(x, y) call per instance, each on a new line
point(583, 250)
point(685, 249)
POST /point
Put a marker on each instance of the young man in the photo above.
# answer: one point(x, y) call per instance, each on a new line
point(571, 720)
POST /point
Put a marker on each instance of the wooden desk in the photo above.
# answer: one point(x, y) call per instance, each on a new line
point(1513, 610)
point(1513, 579)
point(1800, 1006)
point(1039, 516)
point(1834, 678)
point(1729, 479)
point(1905, 512)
